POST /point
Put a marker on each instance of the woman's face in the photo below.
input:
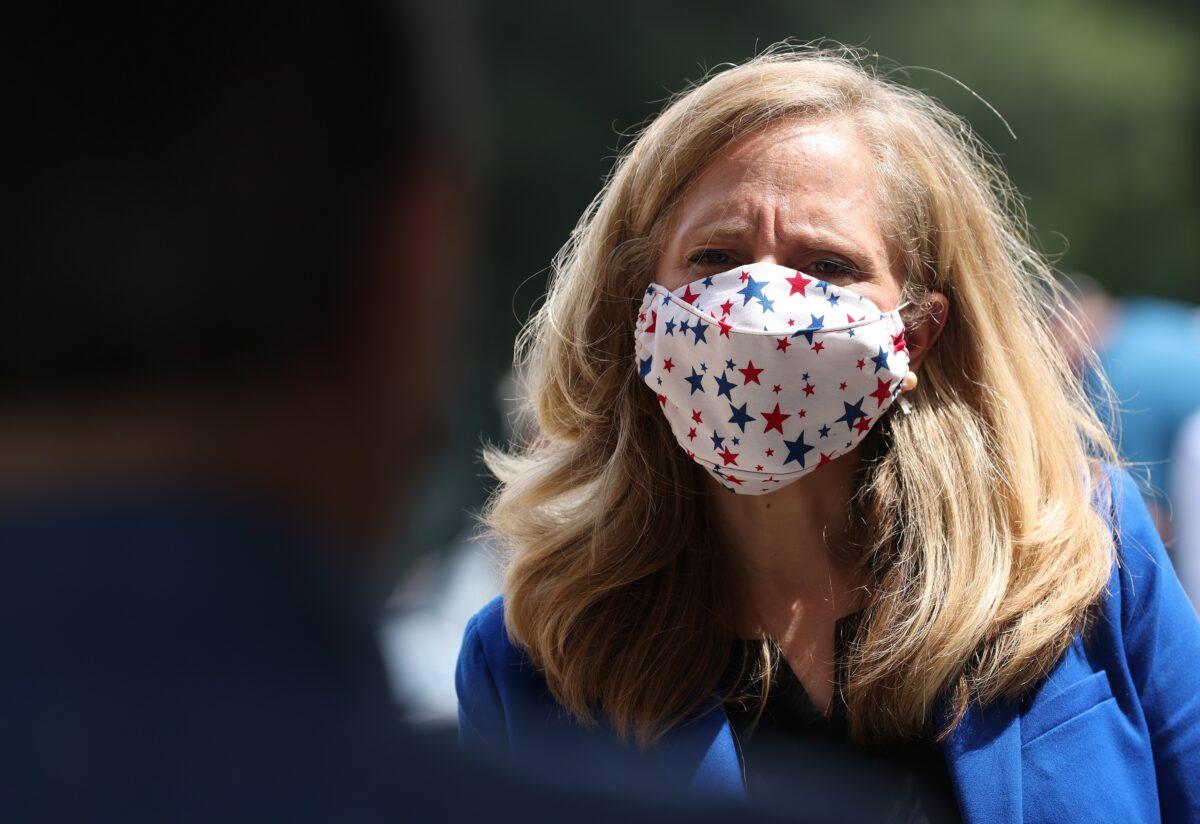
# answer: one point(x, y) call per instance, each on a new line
point(801, 194)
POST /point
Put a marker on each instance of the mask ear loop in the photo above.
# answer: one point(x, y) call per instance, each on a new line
point(902, 401)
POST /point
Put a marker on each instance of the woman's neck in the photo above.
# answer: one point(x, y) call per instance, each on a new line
point(785, 550)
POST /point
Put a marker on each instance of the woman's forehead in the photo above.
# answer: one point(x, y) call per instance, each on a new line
point(807, 175)
point(815, 144)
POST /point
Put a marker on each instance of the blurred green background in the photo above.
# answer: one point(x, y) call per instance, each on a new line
point(1103, 97)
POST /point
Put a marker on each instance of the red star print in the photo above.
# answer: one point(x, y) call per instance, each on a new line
point(842, 386)
point(733, 480)
point(727, 307)
point(861, 363)
point(769, 452)
point(882, 392)
point(899, 343)
point(818, 346)
point(692, 434)
point(799, 283)
point(824, 459)
point(851, 319)
point(863, 424)
point(662, 399)
point(774, 420)
point(729, 457)
point(751, 372)
point(696, 416)
point(809, 389)
point(801, 414)
point(688, 296)
point(791, 322)
point(641, 316)
point(777, 389)
point(745, 276)
point(782, 344)
point(668, 365)
point(758, 468)
point(653, 321)
point(725, 327)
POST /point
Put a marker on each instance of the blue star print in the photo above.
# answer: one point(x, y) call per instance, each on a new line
point(797, 449)
point(817, 323)
point(725, 387)
point(852, 414)
point(753, 289)
point(880, 360)
point(740, 417)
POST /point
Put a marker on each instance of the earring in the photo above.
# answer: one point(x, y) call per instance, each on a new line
point(909, 382)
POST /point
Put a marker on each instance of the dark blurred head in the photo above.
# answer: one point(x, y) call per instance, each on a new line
point(195, 184)
point(220, 198)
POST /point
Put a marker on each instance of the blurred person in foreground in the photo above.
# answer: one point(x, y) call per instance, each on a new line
point(228, 303)
point(736, 568)
point(213, 390)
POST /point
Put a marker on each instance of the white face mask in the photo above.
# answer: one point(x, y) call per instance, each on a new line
point(765, 373)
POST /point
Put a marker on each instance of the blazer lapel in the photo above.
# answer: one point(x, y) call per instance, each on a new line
point(704, 752)
point(983, 754)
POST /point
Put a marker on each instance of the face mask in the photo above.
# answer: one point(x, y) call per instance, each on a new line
point(765, 373)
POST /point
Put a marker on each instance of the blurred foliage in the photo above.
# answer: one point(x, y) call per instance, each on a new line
point(1103, 96)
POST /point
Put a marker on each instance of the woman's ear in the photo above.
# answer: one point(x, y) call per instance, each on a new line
point(923, 334)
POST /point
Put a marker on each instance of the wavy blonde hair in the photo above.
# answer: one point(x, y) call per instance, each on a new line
point(984, 550)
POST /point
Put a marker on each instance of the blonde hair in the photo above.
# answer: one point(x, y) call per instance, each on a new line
point(984, 549)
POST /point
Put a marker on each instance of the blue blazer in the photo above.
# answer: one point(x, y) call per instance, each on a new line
point(1112, 733)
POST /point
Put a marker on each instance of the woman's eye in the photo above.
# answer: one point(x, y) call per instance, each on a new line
point(709, 256)
point(827, 268)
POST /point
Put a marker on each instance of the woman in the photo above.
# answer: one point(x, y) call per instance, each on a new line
point(813, 496)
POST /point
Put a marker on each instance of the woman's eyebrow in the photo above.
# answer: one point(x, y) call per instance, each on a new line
point(732, 230)
point(721, 230)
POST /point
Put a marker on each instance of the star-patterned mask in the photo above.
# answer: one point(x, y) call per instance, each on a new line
point(765, 373)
